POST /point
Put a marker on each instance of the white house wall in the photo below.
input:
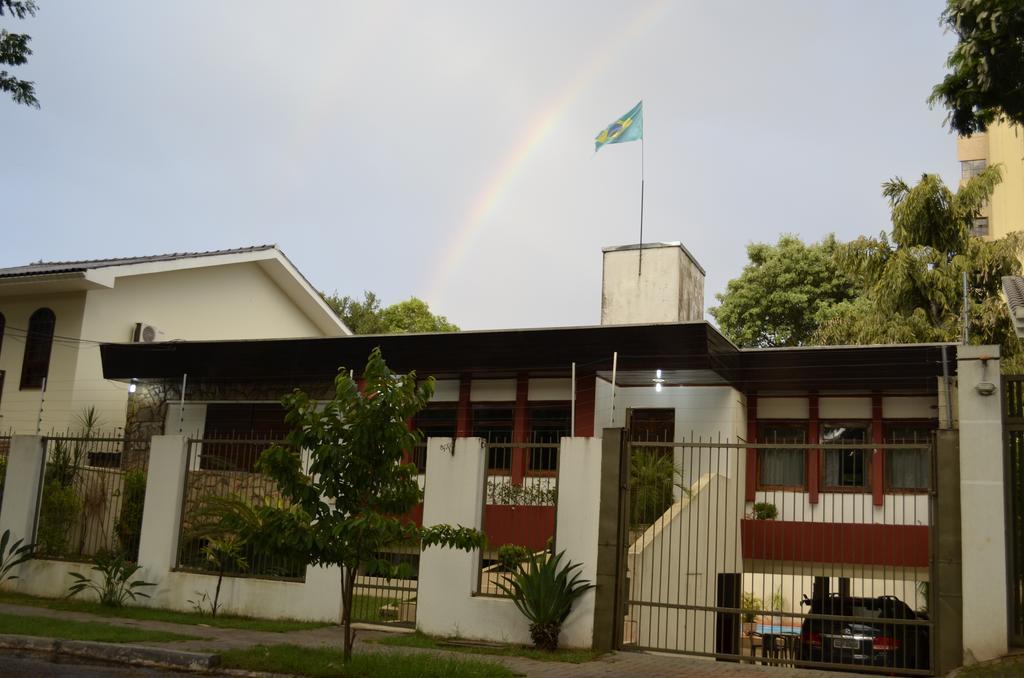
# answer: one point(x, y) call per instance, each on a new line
point(20, 410)
point(236, 301)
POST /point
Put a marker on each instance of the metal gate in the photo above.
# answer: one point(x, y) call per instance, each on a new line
point(1013, 437)
point(830, 577)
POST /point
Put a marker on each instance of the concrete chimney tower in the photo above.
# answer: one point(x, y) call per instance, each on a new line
point(668, 288)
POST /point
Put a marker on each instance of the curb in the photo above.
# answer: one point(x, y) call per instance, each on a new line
point(113, 652)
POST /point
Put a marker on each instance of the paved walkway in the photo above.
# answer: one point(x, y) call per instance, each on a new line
point(615, 664)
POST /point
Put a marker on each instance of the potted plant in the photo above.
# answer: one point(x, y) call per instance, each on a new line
point(751, 605)
point(765, 511)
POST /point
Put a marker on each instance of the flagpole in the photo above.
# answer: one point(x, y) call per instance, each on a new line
point(640, 264)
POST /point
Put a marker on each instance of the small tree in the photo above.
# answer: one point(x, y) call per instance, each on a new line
point(357, 486)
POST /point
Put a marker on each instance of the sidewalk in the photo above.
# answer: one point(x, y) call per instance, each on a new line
point(614, 664)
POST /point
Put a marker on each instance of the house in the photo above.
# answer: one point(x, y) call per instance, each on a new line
point(665, 375)
point(55, 315)
point(794, 476)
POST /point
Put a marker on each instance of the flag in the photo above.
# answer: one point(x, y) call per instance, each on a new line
point(629, 127)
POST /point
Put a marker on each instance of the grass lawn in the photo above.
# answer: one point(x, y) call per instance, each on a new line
point(422, 640)
point(308, 661)
point(73, 630)
point(156, 614)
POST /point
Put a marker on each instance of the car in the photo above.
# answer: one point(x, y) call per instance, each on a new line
point(865, 637)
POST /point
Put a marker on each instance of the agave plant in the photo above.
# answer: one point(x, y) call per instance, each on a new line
point(11, 557)
point(544, 592)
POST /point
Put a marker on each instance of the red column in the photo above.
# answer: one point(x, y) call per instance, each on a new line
point(813, 454)
point(878, 455)
point(586, 391)
point(463, 415)
point(751, 484)
point(520, 428)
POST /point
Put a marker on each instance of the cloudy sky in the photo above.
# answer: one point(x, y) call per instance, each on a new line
point(444, 149)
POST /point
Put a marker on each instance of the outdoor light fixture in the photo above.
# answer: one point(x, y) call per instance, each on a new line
point(658, 381)
point(985, 388)
point(133, 385)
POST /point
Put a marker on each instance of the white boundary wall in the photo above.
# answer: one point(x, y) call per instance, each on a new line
point(447, 604)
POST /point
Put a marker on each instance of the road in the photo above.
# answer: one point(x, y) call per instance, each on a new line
point(29, 665)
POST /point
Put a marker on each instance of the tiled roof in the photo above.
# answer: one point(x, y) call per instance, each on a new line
point(1013, 286)
point(51, 267)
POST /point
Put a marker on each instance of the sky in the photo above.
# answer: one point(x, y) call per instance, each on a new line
point(444, 150)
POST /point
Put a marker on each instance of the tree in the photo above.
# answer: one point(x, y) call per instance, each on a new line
point(910, 286)
point(351, 498)
point(413, 315)
point(986, 81)
point(14, 51)
point(781, 294)
point(367, 316)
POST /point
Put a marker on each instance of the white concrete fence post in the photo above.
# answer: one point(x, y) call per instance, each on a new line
point(983, 512)
point(161, 515)
point(26, 461)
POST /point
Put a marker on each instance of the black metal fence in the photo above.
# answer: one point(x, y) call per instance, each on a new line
point(389, 601)
point(93, 495)
point(782, 552)
point(5, 448)
point(221, 484)
point(1013, 424)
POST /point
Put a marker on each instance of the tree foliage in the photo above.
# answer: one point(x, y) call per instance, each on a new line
point(14, 51)
point(780, 296)
point(368, 317)
point(910, 285)
point(348, 503)
point(986, 79)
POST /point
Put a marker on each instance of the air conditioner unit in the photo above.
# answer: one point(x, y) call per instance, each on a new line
point(144, 334)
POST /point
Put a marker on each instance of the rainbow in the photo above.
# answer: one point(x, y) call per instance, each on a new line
point(497, 186)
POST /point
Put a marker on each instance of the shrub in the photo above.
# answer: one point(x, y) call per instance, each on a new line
point(653, 479)
point(59, 508)
point(750, 605)
point(544, 592)
point(765, 511)
point(510, 556)
point(128, 527)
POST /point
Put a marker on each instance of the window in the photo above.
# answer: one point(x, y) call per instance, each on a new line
point(548, 423)
point(493, 423)
point(980, 227)
point(240, 421)
point(38, 344)
point(908, 470)
point(847, 468)
point(437, 420)
point(652, 425)
point(971, 168)
point(783, 467)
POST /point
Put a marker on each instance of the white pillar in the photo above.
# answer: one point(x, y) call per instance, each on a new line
point(161, 516)
point(577, 518)
point(983, 512)
point(25, 463)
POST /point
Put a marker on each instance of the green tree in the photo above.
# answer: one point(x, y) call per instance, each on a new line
point(781, 295)
point(413, 315)
point(14, 51)
point(986, 79)
point(368, 317)
point(910, 285)
point(356, 488)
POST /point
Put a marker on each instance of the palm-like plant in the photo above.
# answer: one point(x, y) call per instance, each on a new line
point(10, 558)
point(544, 592)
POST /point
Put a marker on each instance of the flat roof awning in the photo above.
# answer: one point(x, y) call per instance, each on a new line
point(692, 353)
